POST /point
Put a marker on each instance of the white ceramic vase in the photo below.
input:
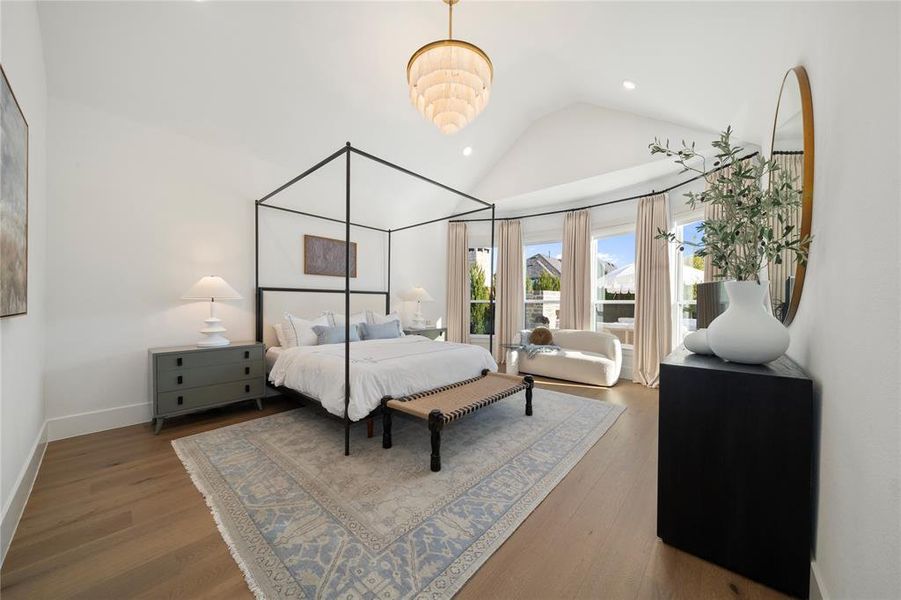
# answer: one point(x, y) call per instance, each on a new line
point(696, 342)
point(747, 332)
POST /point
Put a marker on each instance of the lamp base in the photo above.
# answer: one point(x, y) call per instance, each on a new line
point(213, 332)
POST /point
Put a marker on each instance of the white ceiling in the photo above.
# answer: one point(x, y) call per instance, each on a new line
point(290, 82)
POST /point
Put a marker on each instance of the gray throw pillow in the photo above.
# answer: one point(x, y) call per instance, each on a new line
point(335, 335)
point(382, 331)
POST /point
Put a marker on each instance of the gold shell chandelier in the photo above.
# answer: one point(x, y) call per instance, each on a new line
point(450, 80)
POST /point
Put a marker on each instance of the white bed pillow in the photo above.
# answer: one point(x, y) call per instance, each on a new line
point(374, 318)
point(299, 332)
point(355, 319)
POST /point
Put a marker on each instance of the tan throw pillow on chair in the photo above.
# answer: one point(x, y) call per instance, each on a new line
point(541, 336)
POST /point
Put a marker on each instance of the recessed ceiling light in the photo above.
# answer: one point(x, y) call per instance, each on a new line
point(629, 85)
point(467, 150)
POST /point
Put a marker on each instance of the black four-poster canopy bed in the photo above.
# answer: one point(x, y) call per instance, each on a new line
point(348, 151)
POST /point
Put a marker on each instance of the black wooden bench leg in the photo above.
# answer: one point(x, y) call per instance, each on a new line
point(386, 423)
point(436, 422)
point(370, 427)
point(530, 383)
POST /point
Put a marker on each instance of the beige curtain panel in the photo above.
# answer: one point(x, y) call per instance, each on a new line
point(457, 283)
point(510, 282)
point(575, 278)
point(653, 307)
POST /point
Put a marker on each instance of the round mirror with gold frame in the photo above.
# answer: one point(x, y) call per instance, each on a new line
point(792, 149)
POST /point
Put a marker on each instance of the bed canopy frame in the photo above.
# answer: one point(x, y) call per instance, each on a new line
point(347, 152)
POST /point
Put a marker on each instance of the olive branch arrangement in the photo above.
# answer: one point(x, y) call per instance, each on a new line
point(741, 240)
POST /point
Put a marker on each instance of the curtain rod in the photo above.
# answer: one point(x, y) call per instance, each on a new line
point(608, 202)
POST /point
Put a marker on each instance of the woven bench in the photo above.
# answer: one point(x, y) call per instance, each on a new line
point(443, 405)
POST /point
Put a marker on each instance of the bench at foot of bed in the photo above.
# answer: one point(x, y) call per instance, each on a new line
point(451, 402)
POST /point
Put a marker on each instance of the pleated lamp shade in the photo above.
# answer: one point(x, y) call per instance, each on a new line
point(417, 294)
point(211, 287)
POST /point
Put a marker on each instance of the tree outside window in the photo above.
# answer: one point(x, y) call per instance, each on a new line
point(480, 321)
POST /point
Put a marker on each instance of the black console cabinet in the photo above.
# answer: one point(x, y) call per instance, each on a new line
point(735, 466)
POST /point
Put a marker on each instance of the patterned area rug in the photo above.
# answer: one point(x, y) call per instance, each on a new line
point(304, 521)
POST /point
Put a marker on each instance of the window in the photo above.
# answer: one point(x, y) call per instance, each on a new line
point(614, 288)
point(542, 295)
point(689, 273)
point(480, 320)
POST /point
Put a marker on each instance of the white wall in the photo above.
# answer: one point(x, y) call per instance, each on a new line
point(419, 258)
point(281, 252)
point(139, 213)
point(580, 142)
point(22, 337)
point(847, 330)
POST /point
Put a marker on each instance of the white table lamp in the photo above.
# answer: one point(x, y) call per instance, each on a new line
point(419, 295)
point(212, 288)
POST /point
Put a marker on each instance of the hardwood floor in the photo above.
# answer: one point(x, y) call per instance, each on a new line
point(115, 515)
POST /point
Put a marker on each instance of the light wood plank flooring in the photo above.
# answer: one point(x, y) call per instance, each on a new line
point(115, 515)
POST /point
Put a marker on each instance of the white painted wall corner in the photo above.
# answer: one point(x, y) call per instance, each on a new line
point(817, 591)
point(21, 491)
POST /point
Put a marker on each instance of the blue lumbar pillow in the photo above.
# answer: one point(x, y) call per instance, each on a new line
point(382, 331)
point(335, 335)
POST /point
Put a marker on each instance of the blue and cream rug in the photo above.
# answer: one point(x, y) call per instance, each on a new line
point(304, 521)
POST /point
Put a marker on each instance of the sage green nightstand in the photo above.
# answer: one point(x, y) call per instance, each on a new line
point(186, 379)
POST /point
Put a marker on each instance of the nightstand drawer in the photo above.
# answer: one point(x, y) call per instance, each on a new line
point(206, 358)
point(182, 379)
point(174, 402)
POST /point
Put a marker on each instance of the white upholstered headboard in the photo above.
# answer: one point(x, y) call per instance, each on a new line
point(309, 304)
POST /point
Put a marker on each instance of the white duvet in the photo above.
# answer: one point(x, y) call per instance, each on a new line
point(378, 368)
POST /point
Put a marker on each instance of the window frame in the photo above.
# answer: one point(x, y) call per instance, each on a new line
point(679, 303)
point(492, 253)
point(526, 300)
point(596, 236)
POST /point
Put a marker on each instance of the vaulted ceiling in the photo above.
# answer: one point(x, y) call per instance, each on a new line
point(290, 82)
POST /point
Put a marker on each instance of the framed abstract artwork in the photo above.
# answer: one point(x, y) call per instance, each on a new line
point(326, 256)
point(13, 203)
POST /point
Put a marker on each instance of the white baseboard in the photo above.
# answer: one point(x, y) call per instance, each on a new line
point(15, 506)
point(817, 590)
point(59, 428)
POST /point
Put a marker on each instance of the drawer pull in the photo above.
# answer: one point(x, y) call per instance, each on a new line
point(178, 361)
point(181, 400)
point(179, 379)
point(247, 354)
point(247, 389)
point(247, 370)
